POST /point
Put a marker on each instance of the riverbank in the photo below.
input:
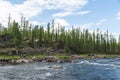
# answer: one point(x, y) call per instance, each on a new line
point(56, 58)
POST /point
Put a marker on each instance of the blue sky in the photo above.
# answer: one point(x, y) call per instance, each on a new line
point(91, 14)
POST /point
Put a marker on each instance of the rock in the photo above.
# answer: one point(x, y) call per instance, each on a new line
point(51, 59)
point(26, 38)
point(60, 61)
point(76, 57)
point(13, 61)
point(55, 67)
point(36, 59)
point(91, 54)
point(100, 56)
point(5, 60)
point(43, 61)
point(22, 61)
point(12, 52)
point(67, 60)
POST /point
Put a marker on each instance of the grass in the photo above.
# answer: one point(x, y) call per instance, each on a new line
point(61, 56)
point(41, 56)
point(13, 57)
point(113, 56)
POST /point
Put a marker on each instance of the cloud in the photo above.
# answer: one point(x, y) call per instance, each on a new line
point(86, 26)
point(118, 16)
point(32, 8)
point(116, 35)
point(28, 9)
point(37, 23)
point(63, 14)
point(82, 12)
point(65, 5)
point(61, 22)
point(100, 22)
point(92, 24)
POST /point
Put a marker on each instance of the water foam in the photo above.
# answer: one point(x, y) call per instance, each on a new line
point(99, 64)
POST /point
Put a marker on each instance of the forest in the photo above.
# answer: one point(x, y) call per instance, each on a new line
point(73, 40)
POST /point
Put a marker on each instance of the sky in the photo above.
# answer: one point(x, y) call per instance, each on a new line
point(88, 14)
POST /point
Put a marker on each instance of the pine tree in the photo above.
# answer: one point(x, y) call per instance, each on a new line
point(16, 33)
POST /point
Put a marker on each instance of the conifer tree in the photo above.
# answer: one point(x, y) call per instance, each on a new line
point(16, 33)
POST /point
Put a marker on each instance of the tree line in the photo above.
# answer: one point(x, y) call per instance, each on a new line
point(73, 40)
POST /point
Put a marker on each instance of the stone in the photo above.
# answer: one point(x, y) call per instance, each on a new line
point(22, 61)
point(34, 58)
point(51, 59)
point(55, 67)
point(76, 57)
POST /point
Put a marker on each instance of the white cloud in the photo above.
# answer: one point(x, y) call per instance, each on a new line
point(100, 22)
point(83, 12)
point(65, 5)
point(118, 16)
point(31, 8)
point(27, 9)
point(63, 14)
point(86, 26)
point(93, 24)
point(116, 35)
point(37, 23)
point(61, 22)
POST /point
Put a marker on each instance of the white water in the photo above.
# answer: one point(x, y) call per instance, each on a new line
point(101, 69)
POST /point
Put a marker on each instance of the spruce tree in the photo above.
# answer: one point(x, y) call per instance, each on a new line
point(16, 33)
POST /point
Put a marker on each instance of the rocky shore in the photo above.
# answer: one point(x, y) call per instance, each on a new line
point(48, 59)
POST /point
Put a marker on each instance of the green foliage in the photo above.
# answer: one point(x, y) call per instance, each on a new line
point(72, 40)
point(16, 33)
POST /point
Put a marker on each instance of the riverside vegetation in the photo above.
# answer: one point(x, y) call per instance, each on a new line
point(29, 41)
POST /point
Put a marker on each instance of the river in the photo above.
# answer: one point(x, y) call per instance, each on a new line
point(94, 69)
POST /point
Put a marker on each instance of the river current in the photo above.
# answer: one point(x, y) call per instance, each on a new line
point(94, 69)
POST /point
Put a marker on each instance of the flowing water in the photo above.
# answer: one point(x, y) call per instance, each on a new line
point(94, 69)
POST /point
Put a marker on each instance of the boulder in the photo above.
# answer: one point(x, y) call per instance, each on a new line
point(55, 67)
point(22, 61)
point(51, 59)
point(34, 58)
point(68, 60)
point(13, 61)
